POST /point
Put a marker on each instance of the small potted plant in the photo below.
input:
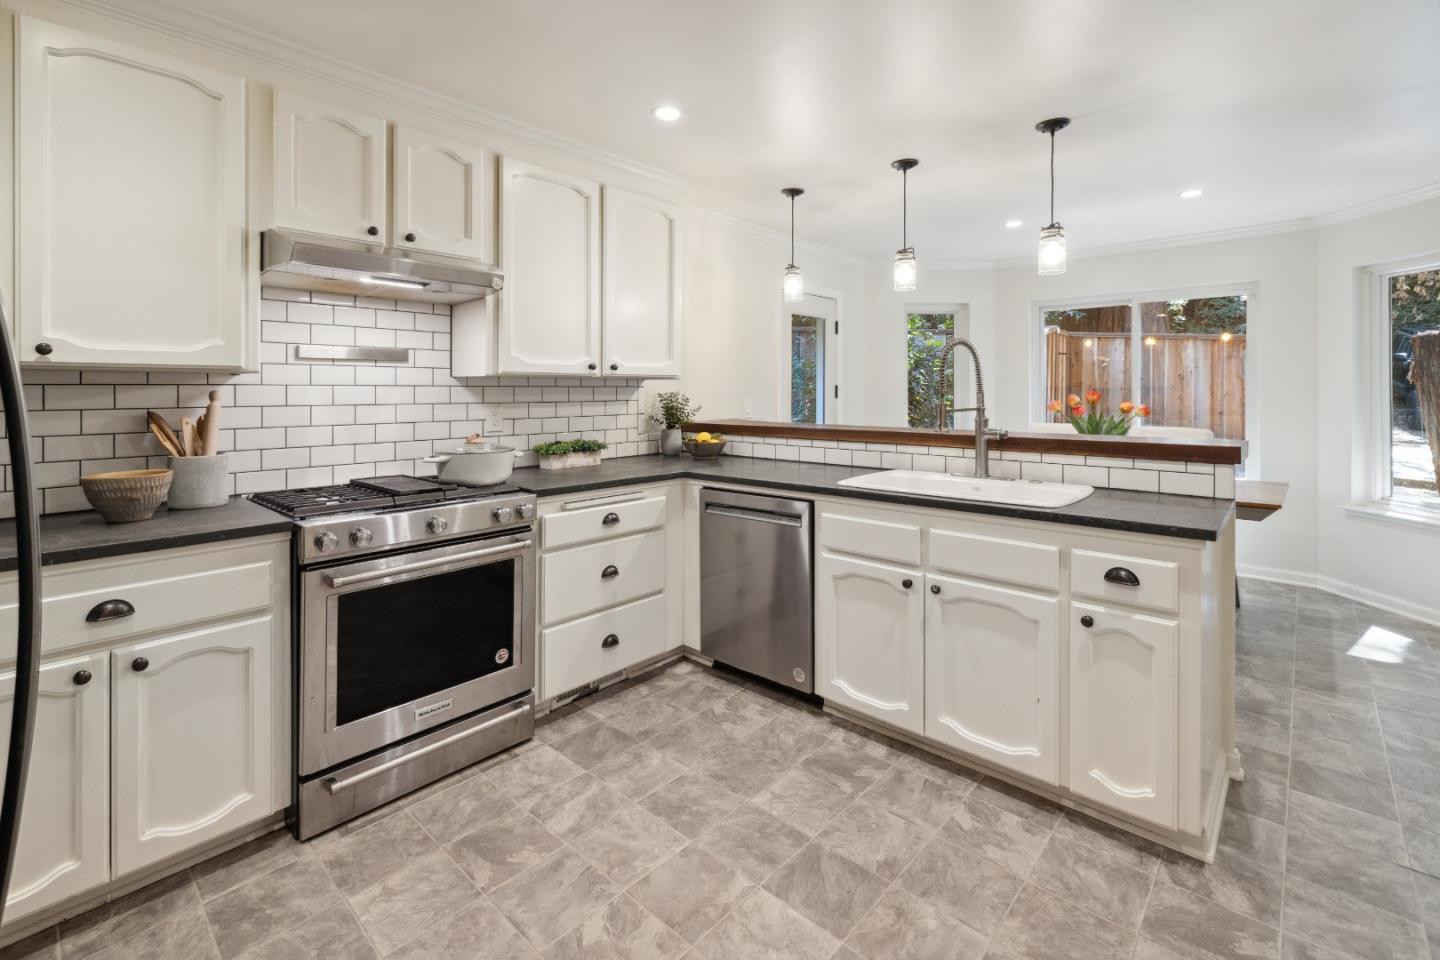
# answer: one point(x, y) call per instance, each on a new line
point(672, 411)
point(1095, 420)
point(564, 454)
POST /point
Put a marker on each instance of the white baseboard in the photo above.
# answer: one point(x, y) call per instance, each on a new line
point(1349, 591)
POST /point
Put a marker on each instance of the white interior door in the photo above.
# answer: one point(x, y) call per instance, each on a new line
point(329, 174)
point(439, 195)
point(810, 375)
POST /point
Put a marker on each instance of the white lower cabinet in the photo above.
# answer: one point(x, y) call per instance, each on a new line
point(1123, 711)
point(64, 824)
point(992, 674)
point(192, 738)
point(869, 618)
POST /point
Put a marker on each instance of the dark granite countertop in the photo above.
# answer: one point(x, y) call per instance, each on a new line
point(1167, 515)
point(68, 537)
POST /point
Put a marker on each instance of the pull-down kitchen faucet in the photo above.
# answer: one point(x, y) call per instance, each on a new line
point(983, 433)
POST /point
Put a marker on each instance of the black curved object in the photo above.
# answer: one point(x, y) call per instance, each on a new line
point(1123, 576)
point(27, 641)
point(110, 610)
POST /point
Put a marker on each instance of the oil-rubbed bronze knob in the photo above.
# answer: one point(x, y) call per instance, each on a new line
point(373, 231)
point(1087, 621)
point(409, 238)
point(139, 664)
point(82, 677)
point(44, 349)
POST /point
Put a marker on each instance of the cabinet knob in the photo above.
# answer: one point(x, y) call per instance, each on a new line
point(610, 641)
point(373, 231)
point(907, 583)
point(44, 349)
point(1087, 621)
point(82, 677)
point(110, 610)
point(614, 366)
point(935, 589)
point(611, 519)
point(590, 366)
point(610, 572)
point(409, 238)
point(139, 664)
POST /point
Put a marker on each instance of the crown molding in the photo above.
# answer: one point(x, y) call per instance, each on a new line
point(204, 29)
point(1371, 207)
point(1170, 243)
point(755, 229)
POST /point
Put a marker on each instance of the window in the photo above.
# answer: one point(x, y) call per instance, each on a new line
point(1184, 358)
point(809, 381)
point(1413, 305)
point(925, 336)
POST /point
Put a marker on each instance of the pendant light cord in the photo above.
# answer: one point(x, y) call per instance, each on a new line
point(792, 228)
point(1052, 178)
point(904, 209)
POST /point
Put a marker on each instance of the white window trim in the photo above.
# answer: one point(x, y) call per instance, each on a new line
point(1254, 311)
point(1374, 495)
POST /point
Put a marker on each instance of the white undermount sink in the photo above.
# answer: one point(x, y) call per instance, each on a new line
point(923, 483)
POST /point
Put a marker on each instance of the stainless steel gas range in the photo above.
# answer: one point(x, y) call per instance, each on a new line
point(414, 636)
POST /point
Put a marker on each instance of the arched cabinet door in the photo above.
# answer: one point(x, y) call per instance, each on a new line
point(642, 286)
point(438, 200)
point(1124, 716)
point(192, 738)
point(992, 672)
point(329, 174)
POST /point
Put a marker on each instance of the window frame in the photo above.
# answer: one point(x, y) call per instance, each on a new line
point(1254, 310)
point(959, 317)
point(834, 350)
point(1376, 487)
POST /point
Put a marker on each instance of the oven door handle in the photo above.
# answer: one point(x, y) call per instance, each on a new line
point(344, 580)
point(336, 784)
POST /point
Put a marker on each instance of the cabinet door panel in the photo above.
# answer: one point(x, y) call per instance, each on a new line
point(131, 205)
point(1123, 711)
point(329, 169)
point(550, 251)
point(439, 194)
point(870, 644)
point(642, 286)
point(992, 674)
point(64, 824)
point(192, 739)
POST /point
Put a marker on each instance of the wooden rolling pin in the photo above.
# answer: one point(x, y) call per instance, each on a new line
point(209, 426)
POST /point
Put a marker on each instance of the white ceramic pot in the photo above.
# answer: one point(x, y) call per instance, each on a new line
point(481, 464)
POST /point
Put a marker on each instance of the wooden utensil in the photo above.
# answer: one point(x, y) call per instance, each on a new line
point(209, 425)
point(165, 434)
point(187, 436)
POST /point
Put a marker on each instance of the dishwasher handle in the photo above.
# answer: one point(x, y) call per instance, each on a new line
point(759, 516)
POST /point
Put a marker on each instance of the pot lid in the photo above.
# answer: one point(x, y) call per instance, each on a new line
point(476, 448)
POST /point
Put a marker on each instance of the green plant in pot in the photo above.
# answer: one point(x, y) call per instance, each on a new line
point(564, 454)
point(672, 411)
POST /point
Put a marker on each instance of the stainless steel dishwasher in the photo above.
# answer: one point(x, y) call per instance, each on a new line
point(756, 587)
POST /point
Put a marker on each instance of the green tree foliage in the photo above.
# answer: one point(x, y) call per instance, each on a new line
point(804, 368)
point(1415, 301)
point(1207, 315)
point(926, 334)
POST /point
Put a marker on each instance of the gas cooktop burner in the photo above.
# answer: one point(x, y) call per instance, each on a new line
point(373, 493)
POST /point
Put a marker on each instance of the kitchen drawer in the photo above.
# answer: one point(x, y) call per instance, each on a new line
point(996, 558)
point(584, 524)
point(881, 539)
point(573, 582)
point(167, 590)
point(576, 653)
point(1158, 587)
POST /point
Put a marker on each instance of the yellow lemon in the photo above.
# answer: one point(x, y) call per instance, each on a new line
point(702, 437)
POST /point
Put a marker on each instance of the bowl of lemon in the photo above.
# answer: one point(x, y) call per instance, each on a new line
point(705, 445)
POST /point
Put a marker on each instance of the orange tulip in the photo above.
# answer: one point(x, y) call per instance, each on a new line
point(1077, 411)
point(1126, 406)
point(1053, 406)
point(1073, 400)
point(1143, 410)
point(1092, 395)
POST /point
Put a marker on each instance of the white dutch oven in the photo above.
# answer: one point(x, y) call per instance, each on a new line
point(482, 464)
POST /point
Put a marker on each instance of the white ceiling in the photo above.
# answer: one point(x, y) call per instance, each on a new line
point(1278, 109)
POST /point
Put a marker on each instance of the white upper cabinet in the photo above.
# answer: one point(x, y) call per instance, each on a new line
point(438, 195)
point(1123, 711)
point(131, 210)
point(64, 824)
point(992, 671)
point(642, 286)
point(869, 639)
point(329, 174)
point(550, 252)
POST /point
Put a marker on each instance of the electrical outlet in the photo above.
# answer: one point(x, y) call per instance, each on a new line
point(493, 427)
point(748, 410)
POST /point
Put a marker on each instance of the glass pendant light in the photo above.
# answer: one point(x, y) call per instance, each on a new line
point(905, 267)
point(794, 281)
point(1052, 238)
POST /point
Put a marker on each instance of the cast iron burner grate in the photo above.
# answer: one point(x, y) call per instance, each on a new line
point(373, 493)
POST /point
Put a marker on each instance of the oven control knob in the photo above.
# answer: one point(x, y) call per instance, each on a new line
point(326, 541)
point(437, 524)
point(504, 514)
point(361, 536)
point(525, 510)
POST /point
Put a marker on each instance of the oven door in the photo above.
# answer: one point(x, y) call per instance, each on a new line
point(396, 645)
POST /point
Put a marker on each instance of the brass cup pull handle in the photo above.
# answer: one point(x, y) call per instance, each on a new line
point(610, 641)
point(611, 519)
point(610, 572)
point(110, 610)
point(1124, 577)
point(140, 664)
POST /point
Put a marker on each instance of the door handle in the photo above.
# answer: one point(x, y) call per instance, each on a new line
point(611, 519)
point(335, 580)
point(336, 784)
point(1122, 576)
point(610, 572)
point(610, 641)
point(110, 610)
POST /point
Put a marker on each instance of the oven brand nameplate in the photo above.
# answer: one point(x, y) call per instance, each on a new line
point(422, 712)
point(502, 655)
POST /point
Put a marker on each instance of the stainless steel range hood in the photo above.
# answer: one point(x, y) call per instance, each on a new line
point(303, 261)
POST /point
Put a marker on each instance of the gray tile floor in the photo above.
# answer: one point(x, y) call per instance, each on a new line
point(689, 815)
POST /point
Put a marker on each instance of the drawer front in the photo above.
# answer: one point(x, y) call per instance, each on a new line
point(163, 591)
point(996, 558)
point(600, 644)
point(582, 580)
point(884, 540)
point(1158, 587)
point(569, 527)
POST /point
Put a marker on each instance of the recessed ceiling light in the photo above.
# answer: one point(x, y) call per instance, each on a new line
point(665, 113)
point(1012, 224)
point(1191, 194)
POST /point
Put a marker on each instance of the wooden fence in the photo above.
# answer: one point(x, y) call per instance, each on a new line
point(1189, 380)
